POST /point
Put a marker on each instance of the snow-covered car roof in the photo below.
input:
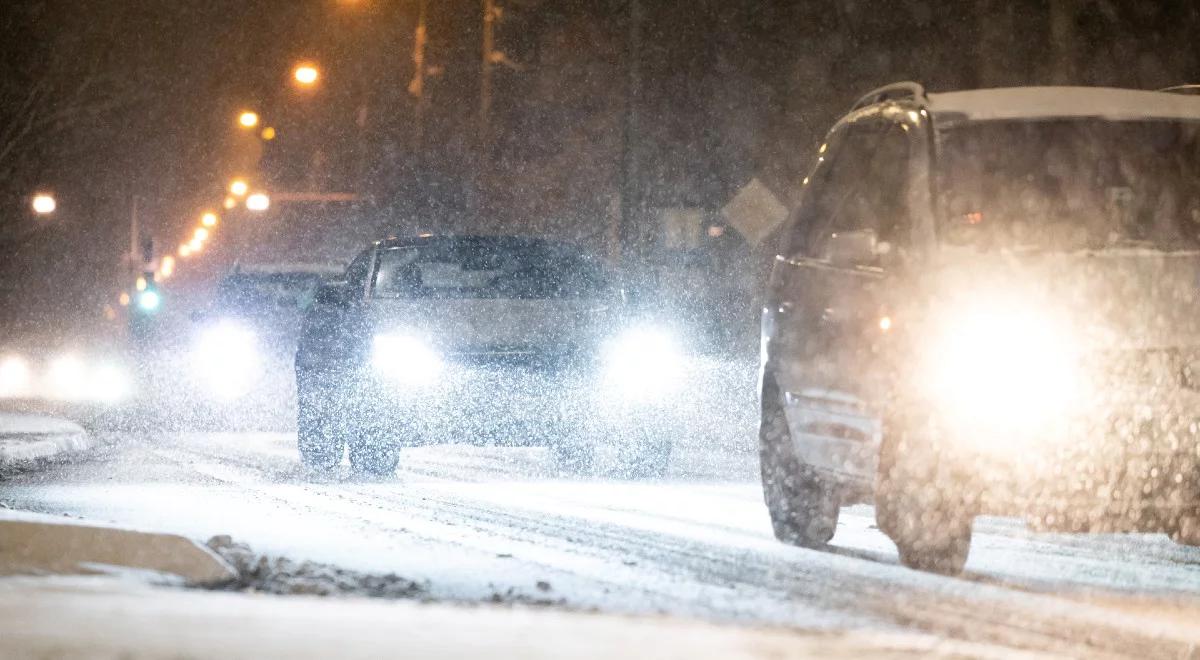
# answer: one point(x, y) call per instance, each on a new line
point(1062, 102)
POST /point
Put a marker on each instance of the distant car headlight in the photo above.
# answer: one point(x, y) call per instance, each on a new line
point(405, 359)
point(226, 359)
point(15, 377)
point(643, 361)
point(70, 378)
point(1002, 368)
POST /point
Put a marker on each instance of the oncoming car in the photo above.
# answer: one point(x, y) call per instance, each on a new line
point(987, 304)
point(482, 340)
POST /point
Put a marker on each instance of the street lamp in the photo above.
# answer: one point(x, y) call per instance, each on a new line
point(248, 119)
point(200, 235)
point(44, 204)
point(229, 203)
point(209, 219)
point(238, 187)
point(258, 202)
point(185, 250)
point(306, 74)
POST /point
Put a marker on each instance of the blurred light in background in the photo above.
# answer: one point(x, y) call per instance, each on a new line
point(140, 283)
point(209, 219)
point(200, 235)
point(306, 74)
point(123, 299)
point(194, 245)
point(149, 300)
point(229, 203)
point(185, 250)
point(268, 133)
point(14, 376)
point(167, 268)
point(238, 187)
point(248, 119)
point(258, 202)
point(44, 204)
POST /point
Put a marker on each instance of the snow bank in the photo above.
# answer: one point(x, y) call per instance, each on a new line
point(107, 618)
point(36, 544)
point(25, 438)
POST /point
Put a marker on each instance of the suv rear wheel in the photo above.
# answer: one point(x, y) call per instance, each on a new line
point(319, 437)
point(804, 508)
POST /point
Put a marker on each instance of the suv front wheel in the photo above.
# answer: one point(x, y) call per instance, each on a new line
point(804, 508)
point(915, 508)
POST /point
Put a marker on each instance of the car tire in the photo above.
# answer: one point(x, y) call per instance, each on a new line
point(378, 458)
point(912, 508)
point(318, 438)
point(1186, 530)
point(803, 507)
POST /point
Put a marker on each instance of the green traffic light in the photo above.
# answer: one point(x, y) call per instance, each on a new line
point(149, 300)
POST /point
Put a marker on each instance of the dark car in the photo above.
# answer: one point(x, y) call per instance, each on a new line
point(986, 304)
point(483, 340)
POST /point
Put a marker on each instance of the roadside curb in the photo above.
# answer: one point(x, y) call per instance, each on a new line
point(39, 544)
point(28, 438)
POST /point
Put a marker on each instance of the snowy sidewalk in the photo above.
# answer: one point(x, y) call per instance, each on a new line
point(25, 438)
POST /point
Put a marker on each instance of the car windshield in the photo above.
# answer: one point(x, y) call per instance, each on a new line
point(1071, 184)
point(257, 291)
point(486, 269)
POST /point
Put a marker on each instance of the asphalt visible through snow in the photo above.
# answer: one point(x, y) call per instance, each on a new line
point(480, 524)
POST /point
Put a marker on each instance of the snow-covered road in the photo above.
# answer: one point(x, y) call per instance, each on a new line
point(477, 523)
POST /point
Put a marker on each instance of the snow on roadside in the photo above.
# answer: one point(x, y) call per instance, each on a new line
point(282, 576)
point(25, 438)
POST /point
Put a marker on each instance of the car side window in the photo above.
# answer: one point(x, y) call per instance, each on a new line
point(865, 189)
point(359, 270)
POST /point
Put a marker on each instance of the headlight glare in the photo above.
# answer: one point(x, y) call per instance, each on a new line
point(405, 359)
point(1000, 368)
point(226, 359)
point(643, 361)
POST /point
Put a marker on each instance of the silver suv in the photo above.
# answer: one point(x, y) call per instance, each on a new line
point(986, 303)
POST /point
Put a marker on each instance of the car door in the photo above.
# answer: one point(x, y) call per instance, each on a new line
point(831, 282)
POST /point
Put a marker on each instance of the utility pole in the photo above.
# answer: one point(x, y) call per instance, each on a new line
point(631, 198)
point(416, 87)
point(485, 72)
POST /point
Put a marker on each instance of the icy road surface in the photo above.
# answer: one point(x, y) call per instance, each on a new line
point(478, 522)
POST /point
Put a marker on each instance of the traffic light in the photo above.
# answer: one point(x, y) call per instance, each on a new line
point(148, 298)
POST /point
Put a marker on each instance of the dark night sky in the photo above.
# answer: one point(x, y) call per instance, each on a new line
point(148, 90)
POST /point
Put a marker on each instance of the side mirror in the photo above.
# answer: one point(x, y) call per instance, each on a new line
point(339, 294)
point(855, 248)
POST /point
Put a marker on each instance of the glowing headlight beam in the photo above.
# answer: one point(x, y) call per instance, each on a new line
point(642, 361)
point(226, 360)
point(405, 359)
point(1002, 368)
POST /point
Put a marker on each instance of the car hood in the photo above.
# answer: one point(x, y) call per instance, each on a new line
point(496, 325)
point(1114, 299)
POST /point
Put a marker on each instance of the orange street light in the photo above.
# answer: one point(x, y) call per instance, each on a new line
point(167, 267)
point(200, 235)
point(306, 74)
point(195, 245)
point(238, 187)
point(209, 219)
point(229, 203)
point(248, 119)
point(44, 204)
point(258, 202)
point(268, 133)
point(185, 250)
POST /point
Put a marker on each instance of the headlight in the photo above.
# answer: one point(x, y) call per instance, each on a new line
point(405, 359)
point(1002, 368)
point(643, 361)
point(15, 378)
point(226, 359)
point(69, 378)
